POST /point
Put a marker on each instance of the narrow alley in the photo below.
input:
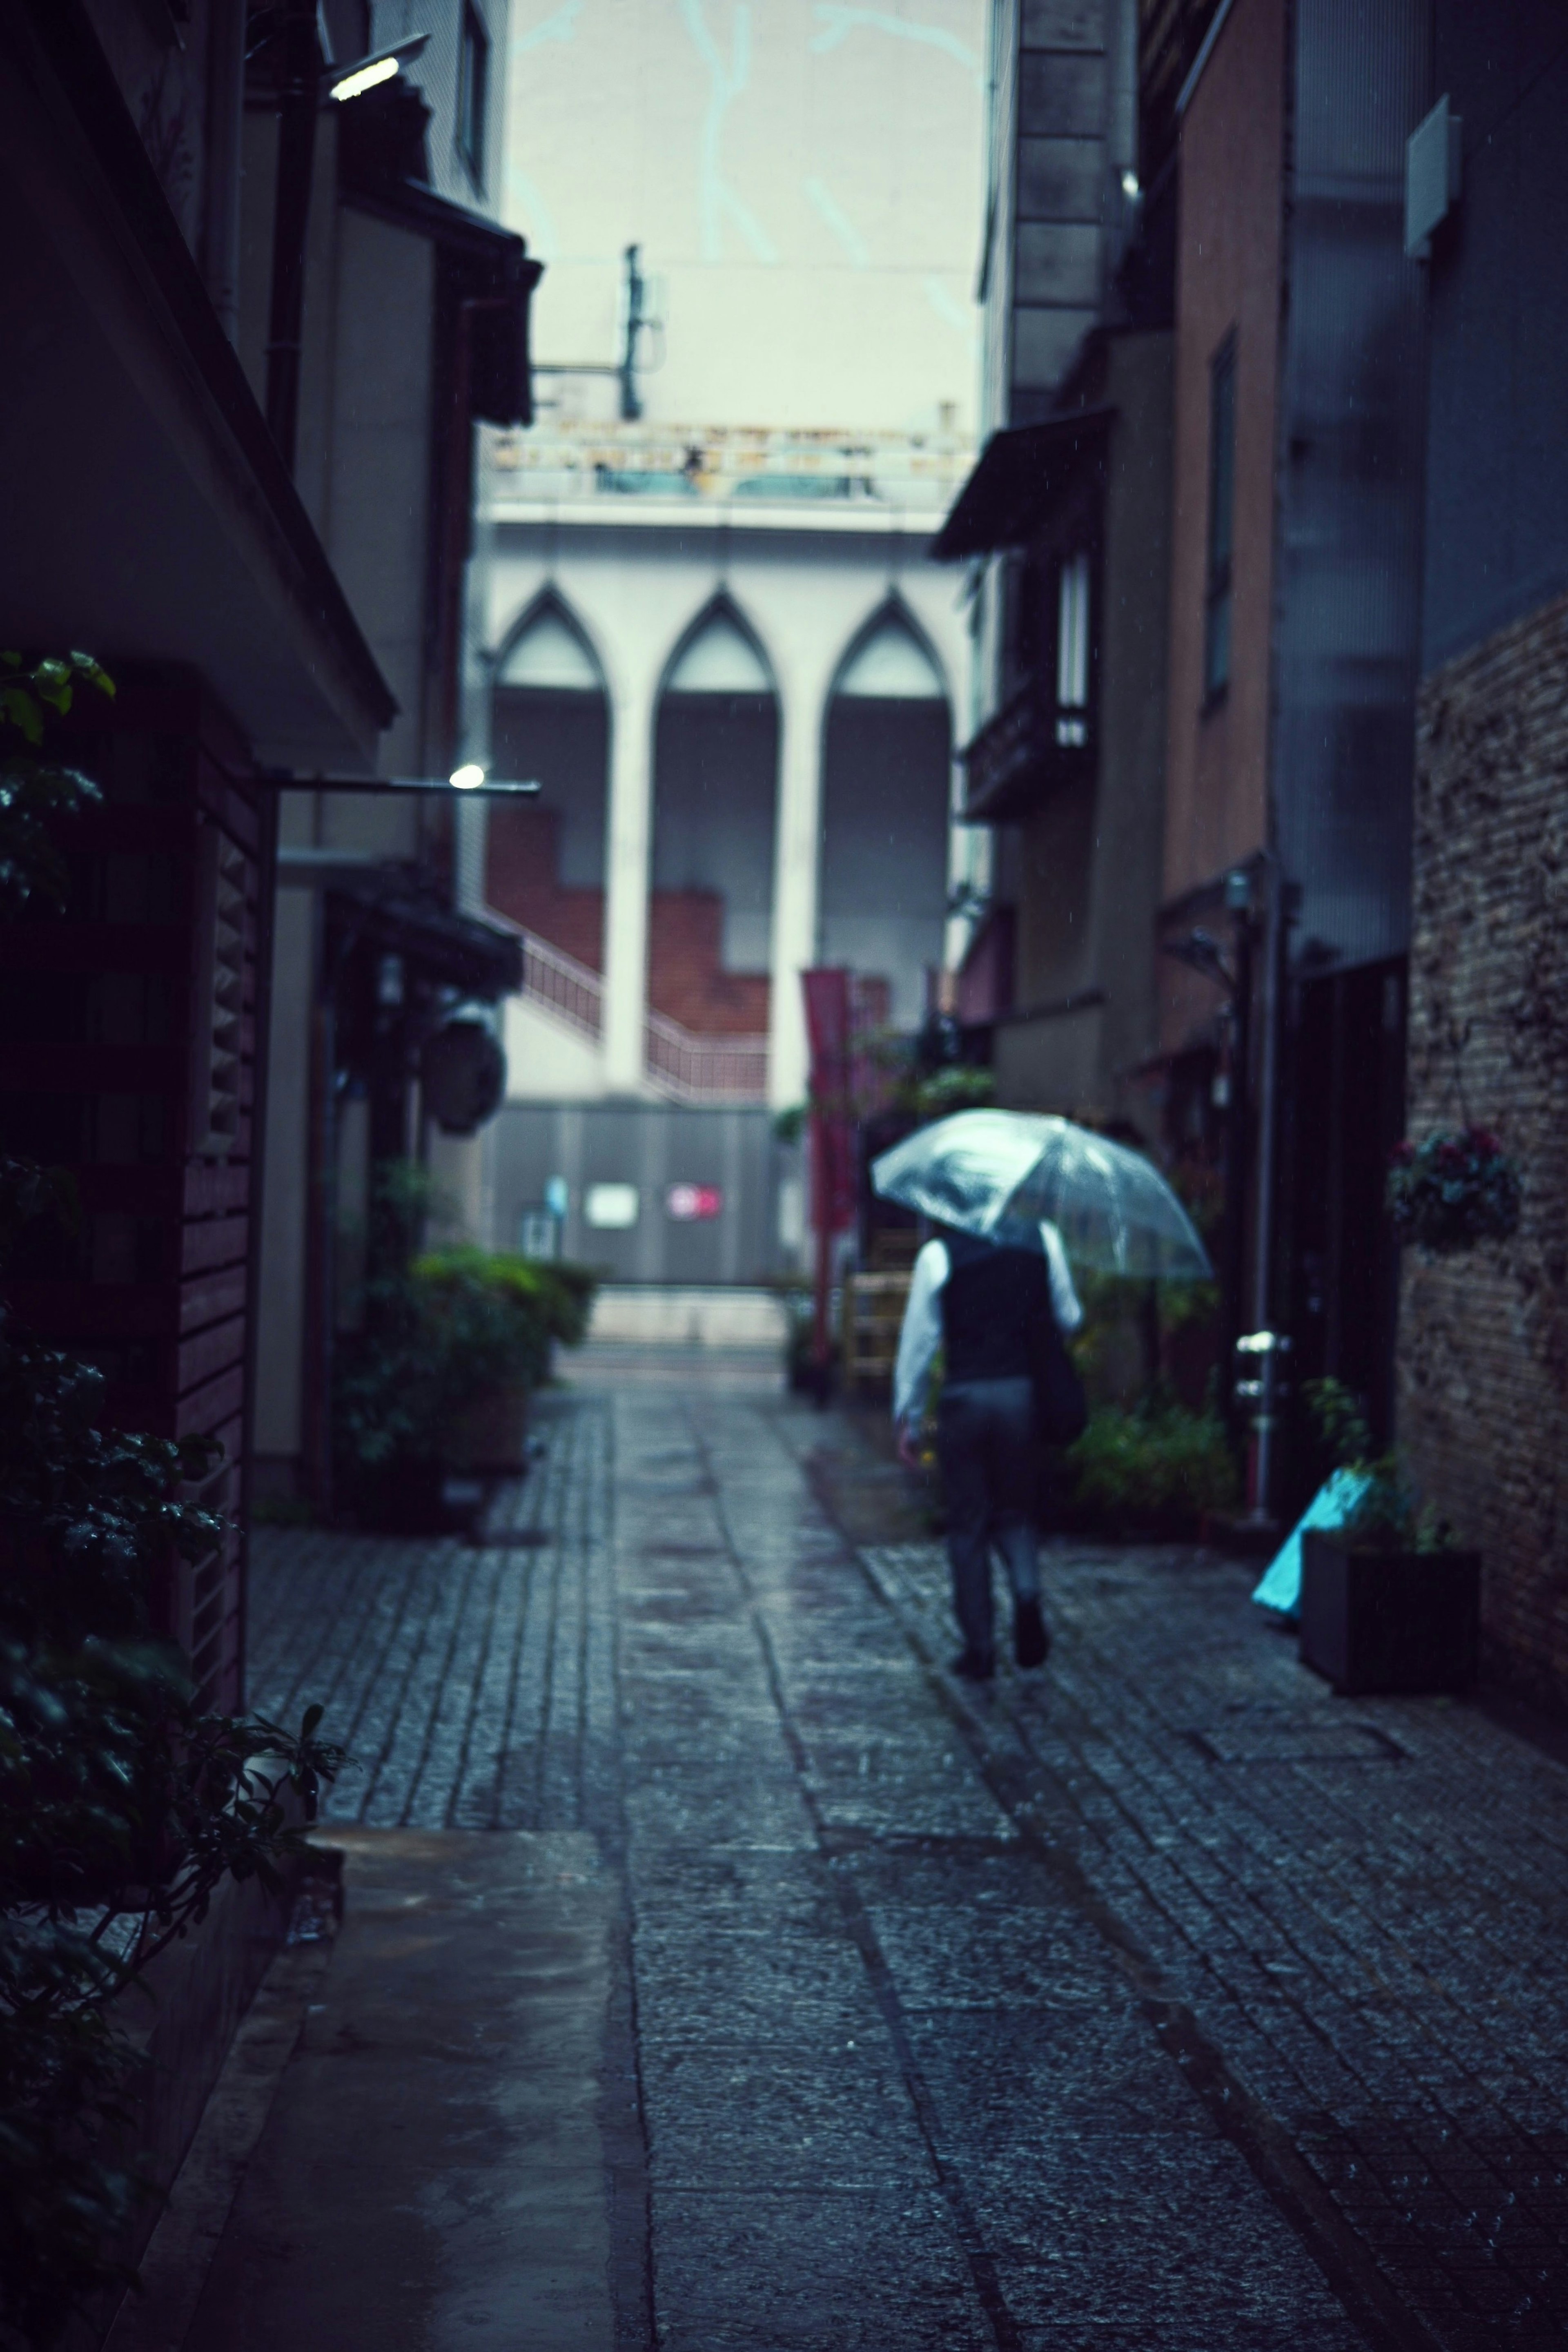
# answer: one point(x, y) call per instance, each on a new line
point(1159, 1999)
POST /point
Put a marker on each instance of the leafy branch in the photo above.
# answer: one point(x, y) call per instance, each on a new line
point(37, 792)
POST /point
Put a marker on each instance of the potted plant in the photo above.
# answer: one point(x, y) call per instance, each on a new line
point(435, 1379)
point(540, 1303)
point(1390, 1602)
point(1453, 1191)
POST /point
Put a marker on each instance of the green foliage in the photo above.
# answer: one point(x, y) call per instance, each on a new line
point(551, 1293)
point(438, 1331)
point(1388, 1516)
point(1154, 1469)
point(37, 792)
point(1453, 1191)
point(935, 1094)
point(122, 1805)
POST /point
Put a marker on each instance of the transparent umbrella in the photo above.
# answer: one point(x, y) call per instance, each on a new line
point(998, 1173)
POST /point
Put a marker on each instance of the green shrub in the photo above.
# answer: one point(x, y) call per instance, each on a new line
point(122, 1804)
point(437, 1332)
point(1154, 1469)
point(553, 1292)
point(1387, 1516)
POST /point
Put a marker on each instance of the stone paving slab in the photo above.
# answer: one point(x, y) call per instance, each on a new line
point(1159, 1999)
point(430, 2175)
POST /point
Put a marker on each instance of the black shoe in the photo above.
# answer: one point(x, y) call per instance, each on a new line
point(973, 1668)
point(1031, 1639)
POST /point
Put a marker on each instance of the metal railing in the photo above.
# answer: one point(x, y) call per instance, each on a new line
point(680, 1064)
point(685, 1068)
point(569, 988)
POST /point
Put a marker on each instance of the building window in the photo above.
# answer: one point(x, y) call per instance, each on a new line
point(474, 92)
point(1072, 652)
point(1221, 518)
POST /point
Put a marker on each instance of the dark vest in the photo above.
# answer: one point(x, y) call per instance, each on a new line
point(992, 1302)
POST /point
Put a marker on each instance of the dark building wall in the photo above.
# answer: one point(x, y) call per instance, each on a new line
point(1088, 859)
point(1228, 266)
point(1063, 95)
point(1483, 1343)
point(1496, 478)
point(1134, 642)
point(1348, 544)
point(1483, 1388)
point(133, 1067)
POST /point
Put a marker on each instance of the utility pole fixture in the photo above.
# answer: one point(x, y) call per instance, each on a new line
point(630, 405)
point(624, 369)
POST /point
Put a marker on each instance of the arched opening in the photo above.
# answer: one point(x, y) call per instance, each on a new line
point(887, 762)
point(550, 721)
point(715, 766)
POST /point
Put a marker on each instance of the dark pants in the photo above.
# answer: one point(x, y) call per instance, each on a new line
point(986, 1444)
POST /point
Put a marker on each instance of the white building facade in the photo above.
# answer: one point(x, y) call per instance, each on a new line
point(738, 680)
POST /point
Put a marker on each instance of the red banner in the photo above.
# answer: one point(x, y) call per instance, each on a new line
point(829, 1029)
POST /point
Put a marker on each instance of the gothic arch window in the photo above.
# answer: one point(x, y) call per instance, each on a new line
point(715, 771)
point(550, 721)
point(886, 792)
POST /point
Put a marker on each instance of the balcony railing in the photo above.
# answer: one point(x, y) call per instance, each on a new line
point(1019, 756)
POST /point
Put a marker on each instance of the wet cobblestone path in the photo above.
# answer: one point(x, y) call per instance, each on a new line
point(1160, 1998)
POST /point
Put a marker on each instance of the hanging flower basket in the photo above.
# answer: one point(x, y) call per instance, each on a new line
point(1453, 1191)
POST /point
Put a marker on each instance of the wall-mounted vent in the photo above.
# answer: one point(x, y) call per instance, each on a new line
point(219, 1005)
point(1433, 157)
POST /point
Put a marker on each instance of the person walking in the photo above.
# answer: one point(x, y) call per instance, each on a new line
point(995, 1311)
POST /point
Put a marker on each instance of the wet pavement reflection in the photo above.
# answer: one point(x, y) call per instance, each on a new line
point(1159, 1997)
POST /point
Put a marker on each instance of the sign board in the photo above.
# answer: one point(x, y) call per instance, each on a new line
point(611, 1208)
point(693, 1204)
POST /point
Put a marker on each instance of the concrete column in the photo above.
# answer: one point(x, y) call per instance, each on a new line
point(796, 865)
point(626, 883)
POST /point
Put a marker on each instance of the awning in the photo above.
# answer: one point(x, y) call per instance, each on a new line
point(1017, 479)
point(393, 907)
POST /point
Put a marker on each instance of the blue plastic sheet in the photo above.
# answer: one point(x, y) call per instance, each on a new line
point(1280, 1589)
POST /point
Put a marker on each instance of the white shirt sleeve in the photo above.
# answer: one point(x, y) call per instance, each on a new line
point(1064, 1300)
point(922, 1333)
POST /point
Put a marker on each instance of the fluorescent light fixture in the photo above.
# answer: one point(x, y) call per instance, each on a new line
point(370, 72)
point(468, 776)
point(365, 76)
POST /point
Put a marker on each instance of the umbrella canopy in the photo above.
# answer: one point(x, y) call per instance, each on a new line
point(998, 1173)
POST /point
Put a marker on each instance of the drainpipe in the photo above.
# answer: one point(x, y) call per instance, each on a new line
point(220, 193)
point(298, 98)
point(1265, 1346)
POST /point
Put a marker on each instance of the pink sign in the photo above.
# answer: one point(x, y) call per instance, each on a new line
point(692, 1204)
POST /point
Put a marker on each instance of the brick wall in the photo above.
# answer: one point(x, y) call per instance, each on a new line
point(1483, 1349)
point(686, 978)
point(521, 865)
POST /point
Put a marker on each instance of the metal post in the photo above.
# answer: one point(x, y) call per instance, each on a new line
point(630, 406)
point(1273, 947)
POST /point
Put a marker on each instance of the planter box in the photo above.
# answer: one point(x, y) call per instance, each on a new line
point(1389, 1621)
point(492, 1436)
